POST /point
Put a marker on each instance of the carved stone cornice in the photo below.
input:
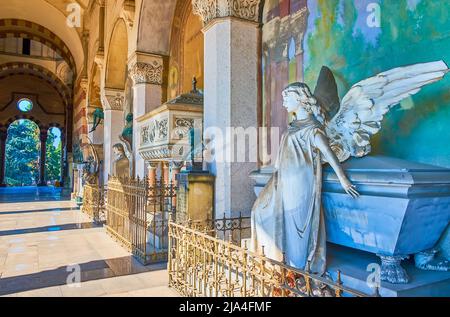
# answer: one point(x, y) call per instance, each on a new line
point(209, 10)
point(128, 11)
point(113, 99)
point(147, 73)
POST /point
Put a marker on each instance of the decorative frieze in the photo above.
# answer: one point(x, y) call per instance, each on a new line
point(209, 10)
point(147, 73)
point(155, 131)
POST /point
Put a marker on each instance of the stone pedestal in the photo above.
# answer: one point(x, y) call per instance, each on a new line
point(195, 196)
point(361, 271)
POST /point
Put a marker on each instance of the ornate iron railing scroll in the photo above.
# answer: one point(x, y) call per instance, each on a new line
point(203, 265)
point(138, 216)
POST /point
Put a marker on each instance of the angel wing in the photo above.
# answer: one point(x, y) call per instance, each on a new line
point(326, 92)
point(364, 106)
point(129, 153)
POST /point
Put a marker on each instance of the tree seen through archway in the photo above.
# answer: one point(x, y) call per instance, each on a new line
point(22, 154)
point(23, 151)
point(53, 160)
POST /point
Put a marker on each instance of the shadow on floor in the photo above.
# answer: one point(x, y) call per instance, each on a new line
point(30, 194)
point(20, 212)
point(56, 228)
point(90, 271)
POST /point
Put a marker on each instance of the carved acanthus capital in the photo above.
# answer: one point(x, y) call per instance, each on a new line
point(147, 73)
point(113, 99)
point(209, 10)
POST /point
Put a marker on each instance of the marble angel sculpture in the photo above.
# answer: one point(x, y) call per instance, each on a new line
point(287, 218)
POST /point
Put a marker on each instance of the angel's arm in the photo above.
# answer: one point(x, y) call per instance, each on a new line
point(322, 143)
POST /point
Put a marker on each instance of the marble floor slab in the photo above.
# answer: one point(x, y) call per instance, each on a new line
point(48, 248)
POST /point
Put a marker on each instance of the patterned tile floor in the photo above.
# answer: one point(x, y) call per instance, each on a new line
point(44, 239)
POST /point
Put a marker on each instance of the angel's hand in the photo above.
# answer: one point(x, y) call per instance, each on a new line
point(350, 188)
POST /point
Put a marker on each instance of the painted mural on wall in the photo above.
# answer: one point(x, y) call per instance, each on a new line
point(359, 38)
point(284, 26)
point(186, 52)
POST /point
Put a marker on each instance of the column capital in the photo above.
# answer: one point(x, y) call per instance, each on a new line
point(209, 10)
point(146, 68)
point(152, 164)
point(113, 99)
point(177, 165)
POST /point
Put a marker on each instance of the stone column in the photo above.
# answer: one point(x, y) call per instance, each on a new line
point(231, 92)
point(63, 159)
point(152, 167)
point(165, 173)
point(114, 123)
point(3, 137)
point(146, 70)
point(43, 138)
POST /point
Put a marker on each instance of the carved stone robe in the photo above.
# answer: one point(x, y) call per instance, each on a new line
point(287, 218)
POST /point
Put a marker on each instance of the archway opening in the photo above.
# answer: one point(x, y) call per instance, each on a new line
point(22, 154)
point(53, 157)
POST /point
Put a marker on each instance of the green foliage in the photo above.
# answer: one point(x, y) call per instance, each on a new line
point(53, 161)
point(22, 153)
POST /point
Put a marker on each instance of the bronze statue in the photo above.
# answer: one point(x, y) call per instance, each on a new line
point(121, 165)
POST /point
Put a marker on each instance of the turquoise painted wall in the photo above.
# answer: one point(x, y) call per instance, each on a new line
point(411, 31)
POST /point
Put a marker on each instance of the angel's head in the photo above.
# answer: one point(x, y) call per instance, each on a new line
point(298, 99)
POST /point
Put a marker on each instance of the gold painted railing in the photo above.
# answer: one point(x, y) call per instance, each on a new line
point(138, 216)
point(203, 265)
point(94, 202)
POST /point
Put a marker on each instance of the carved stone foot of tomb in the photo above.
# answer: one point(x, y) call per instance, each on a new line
point(392, 271)
point(429, 261)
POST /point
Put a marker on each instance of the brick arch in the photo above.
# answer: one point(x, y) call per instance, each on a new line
point(22, 68)
point(25, 116)
point(25, 29)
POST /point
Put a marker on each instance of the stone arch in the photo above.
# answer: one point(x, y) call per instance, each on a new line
point(157, 16)
point(24, 68)
point(116, 63)
point(25, 116)
point(186, 50)
point(25, 29)
point(94, 87)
